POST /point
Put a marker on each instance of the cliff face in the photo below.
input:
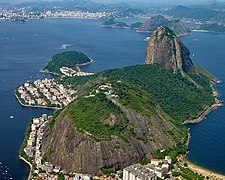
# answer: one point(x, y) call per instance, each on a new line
point(156, 21)
point(79, 152)
point(165, 48)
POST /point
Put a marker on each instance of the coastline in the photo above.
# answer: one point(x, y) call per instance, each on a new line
point(77, 65)
point(183, 158)
point(204, 113)
point(87, 63)
point(29, 164)
point(207, 110)
point(45, 107)
point(201, 170)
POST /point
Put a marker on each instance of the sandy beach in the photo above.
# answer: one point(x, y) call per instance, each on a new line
point(200, 170)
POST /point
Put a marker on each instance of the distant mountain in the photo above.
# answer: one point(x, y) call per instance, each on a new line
point(218, 6)
point(156, 21)
point(199, 13)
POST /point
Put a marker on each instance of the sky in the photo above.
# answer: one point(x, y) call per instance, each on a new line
point(115, 1)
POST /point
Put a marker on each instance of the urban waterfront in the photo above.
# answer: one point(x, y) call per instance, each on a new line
point(26, 48)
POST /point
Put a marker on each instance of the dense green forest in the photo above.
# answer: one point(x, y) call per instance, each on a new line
point(69, 59)
point(88, 114)
point(114, 24)
point(178, 97)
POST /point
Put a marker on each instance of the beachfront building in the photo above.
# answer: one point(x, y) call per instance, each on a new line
point(138, 172)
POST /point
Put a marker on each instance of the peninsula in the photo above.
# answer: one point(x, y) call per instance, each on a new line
point(124, 116)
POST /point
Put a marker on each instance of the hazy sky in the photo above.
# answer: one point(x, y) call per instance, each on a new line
point(148, 1)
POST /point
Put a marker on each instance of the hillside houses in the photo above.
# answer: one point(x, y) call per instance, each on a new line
point(45, 93)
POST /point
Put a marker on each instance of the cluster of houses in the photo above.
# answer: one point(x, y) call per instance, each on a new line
point(33, 148)
point(157, 168)
point(46, 93)
point(70, 72)
point(107, 89)
point(160, 166)
point(44, 170)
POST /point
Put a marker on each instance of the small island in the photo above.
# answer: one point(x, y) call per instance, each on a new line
point(69, 59)
point(114, 24)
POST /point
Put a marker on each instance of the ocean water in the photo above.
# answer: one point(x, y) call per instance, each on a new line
point(26, 48)
point(207, 145)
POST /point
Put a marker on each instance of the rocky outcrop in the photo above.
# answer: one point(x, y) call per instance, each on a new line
point(165, 48)
point(157, 21)
point(75, 151)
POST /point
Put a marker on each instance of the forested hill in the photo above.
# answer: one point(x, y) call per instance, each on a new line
point(177, 96)
point(69, 59)
point(108, 132)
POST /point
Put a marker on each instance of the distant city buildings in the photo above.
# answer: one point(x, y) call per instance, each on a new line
point(22, 14)
point(73, 14)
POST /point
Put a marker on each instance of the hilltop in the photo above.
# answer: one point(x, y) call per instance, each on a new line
point(68, 59)
point(165, 48)
point(157, 21)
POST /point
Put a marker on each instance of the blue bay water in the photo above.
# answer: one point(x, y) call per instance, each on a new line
point(26, 48)
point(207, 145)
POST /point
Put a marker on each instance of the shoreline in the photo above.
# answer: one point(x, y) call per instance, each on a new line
point(44, 107)
point(29, 164)
point(207, 110)
point(204, 113)
point(77, 65)
point(201, 170)
point(87, 63)
point(183, 158)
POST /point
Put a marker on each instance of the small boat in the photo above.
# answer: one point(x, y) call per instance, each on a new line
point(11, 117)
point(65, 46)
point(147, 38)
point(193, 55)
point(218, 81)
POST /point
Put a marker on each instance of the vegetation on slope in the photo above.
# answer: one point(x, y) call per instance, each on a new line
point(202, 71)
point(136, 25)
point(177, 96)
point(114, 24)
point(152, 105)
point(88, 115)
point(68, 59)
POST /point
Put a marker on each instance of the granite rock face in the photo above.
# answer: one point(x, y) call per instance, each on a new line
point(165, 48)
point(80, 152)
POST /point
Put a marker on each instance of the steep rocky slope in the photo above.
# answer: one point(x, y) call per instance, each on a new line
point(88, 152)
point(165, 49)
point(157, 21)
